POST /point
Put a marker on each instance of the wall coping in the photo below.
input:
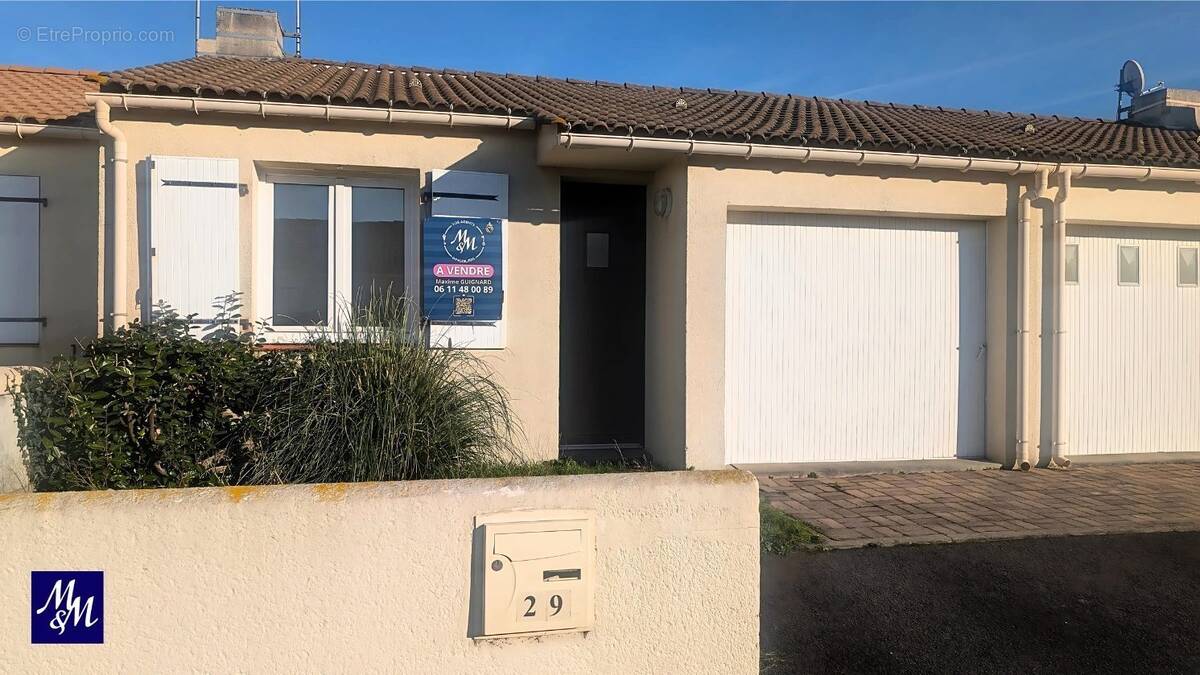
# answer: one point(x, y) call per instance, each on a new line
point(357, 492)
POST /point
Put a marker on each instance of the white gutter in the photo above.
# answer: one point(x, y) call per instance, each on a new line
point(873, 157)
point(120, 171)
point(1059, 428)
point(309, 111)
point(22, 130)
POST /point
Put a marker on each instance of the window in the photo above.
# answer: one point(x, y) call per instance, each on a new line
point(327, 246)
point(1129, 266)
point(597, 249)
point(1189, 275)
point(1072, 264)
point(300, 258)
point(376, 242)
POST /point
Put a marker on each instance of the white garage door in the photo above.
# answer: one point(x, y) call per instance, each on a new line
point(1133, 341)
point(853, 338)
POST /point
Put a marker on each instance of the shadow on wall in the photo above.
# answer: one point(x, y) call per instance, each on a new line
point(1011, 326)
point(66, 245)
point(528, 365)
point(971, 440)
point(533, 195)
point(1045, 343)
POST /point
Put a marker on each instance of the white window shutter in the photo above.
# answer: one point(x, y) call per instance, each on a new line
point(471, 194)
point(468, 194)
point(20, 213)
point(193, 243)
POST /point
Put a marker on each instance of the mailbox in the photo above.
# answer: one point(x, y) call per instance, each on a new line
point(538, 571)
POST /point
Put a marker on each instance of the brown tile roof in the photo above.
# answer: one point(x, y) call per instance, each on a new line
point(46, 95)
point(659, 111)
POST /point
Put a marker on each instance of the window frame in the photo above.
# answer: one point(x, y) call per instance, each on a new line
point(1067, 265)
point(1137, 248)
point(1179, 266)
point(340, 243)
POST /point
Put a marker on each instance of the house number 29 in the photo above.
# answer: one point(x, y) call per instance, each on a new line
point(533, 610)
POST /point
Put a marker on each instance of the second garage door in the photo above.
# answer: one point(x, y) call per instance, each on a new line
point(853, 338)
point(1133, 340)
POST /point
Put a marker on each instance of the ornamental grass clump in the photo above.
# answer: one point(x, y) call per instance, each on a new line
point(370, 401)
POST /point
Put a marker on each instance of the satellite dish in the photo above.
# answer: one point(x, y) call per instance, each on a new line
point(1133, 79)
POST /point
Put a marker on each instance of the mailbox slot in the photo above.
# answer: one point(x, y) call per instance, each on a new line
point(561, 575)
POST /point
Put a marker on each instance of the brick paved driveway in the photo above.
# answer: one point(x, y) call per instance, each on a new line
point(914, 508)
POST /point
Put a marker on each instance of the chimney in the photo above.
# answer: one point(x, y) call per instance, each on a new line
point(244, 32)
point(1167, 108)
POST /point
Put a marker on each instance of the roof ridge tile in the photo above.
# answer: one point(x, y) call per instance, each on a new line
point(47, 70)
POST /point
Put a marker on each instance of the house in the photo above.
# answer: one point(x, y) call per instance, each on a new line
point(716, 276)
point(51, 216)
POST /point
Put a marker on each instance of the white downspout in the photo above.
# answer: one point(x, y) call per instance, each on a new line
point(1059, 427)
point(1025, 455)
point(120, 174)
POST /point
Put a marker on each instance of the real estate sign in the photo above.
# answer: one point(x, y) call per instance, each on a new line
point(462, 269)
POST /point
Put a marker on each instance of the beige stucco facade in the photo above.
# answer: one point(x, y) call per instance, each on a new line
point(715, 188)
point(72, 244)
point(685, 280)
point(378, 577)
point(528, 365)
point(666, 321)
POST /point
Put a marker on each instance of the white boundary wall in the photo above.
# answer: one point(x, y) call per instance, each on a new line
point(376, 577)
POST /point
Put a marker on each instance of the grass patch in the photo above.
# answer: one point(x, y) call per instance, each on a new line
point(781, 533)
point(557, 467)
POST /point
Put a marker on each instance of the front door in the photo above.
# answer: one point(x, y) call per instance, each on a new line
point(603, 318)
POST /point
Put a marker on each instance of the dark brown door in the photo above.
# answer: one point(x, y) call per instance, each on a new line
point(602, 355)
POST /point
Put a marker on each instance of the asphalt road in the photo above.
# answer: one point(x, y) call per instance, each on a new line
point(1110, 604)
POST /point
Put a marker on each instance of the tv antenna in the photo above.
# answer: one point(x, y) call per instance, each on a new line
point(1132, 82)
point(296, 35)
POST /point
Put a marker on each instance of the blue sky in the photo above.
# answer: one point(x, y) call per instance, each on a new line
point(1027, 57)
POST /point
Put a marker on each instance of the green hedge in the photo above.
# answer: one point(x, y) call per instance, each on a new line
point(154, 405)
point(148, 406)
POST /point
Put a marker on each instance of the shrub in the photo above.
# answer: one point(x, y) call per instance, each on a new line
point(148, 406)
point(373, 403)
point(152, 406)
